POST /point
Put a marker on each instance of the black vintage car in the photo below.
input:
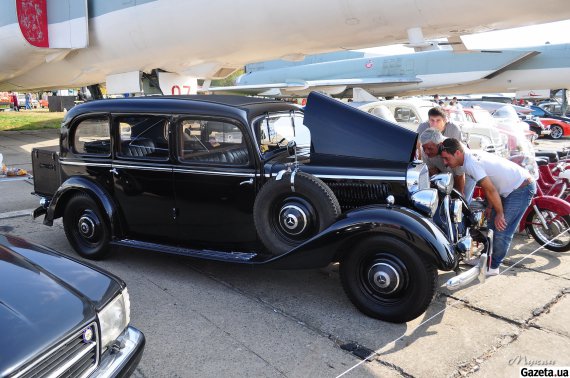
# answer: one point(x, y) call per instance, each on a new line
point(219, 177)
point(62, 318)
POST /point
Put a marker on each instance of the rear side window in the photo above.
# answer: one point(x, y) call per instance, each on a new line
point(143, 137)
point(92, 137)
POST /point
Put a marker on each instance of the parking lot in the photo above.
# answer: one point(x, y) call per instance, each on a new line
point(211, 319)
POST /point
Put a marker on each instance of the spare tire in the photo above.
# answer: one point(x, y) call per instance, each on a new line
point(285, 218)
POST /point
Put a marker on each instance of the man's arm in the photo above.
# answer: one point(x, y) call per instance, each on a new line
point(459, 183)
point(495, 200)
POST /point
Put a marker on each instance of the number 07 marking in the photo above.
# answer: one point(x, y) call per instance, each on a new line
point(175, 90)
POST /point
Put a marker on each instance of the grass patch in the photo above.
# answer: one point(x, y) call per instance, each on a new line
point(30, 120)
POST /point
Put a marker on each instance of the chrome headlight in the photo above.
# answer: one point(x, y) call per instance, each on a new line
point(443, 182)
point(426, 201)
point(114, 318)
point(417, 177)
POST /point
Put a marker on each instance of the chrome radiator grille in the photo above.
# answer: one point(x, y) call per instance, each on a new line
point(355, 194)
point(72, 358)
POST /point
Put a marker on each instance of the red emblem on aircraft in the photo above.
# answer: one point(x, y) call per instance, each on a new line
point(369, 64)
point(32, 18)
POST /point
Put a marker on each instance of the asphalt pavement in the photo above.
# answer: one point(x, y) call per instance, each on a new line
point(207, 319)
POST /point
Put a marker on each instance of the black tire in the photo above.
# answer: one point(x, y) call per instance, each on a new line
point(385, 279)
point(556, 132)
point(284, 219)
point(86, 227)
point(557, 223)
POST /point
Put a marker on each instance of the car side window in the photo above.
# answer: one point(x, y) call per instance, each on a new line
point(92, 137)
point(143, 136)
point(209, 141)
point(405, 114)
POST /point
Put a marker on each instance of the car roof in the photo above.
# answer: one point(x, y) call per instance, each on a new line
point(228, 104)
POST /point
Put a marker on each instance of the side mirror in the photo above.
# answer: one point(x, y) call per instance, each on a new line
point(292, 148)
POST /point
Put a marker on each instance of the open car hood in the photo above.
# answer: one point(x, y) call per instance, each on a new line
point(339, 129)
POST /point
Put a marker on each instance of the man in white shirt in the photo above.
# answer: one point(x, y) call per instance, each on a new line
point(508, 188)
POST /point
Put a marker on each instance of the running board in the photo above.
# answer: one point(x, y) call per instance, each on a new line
point(235, 257)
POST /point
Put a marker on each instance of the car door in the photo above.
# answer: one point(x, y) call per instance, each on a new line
point(142, 172)
point(214, 183)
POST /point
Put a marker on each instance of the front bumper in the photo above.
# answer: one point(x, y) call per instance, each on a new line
point(545, 132)
point(122, 362)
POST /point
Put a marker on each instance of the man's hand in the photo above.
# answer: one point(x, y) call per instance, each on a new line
point(500, 222)
point(495, 201)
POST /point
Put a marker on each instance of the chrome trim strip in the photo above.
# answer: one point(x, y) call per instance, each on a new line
point(347, 177)
point(214, 173)
point(383, 178)
point(143, 167)
point(84, 164)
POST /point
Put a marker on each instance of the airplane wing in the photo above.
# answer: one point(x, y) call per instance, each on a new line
point(302, 88)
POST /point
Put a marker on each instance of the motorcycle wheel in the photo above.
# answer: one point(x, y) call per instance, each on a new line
point(557, 225)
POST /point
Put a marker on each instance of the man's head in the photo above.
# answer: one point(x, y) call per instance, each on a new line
point(430, 141)
point(452, 153)
point(437, 118)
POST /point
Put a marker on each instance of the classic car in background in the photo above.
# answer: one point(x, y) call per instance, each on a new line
point(410, 113)
point(60, 317)
point(219, 177)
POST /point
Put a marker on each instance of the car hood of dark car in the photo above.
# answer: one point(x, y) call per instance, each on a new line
point(339, 129)
point(43, 297)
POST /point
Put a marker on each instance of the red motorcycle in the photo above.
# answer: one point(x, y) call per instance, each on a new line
point(547, 219)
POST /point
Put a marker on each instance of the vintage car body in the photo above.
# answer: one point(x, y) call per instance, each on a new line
point(54, 316)
point(217, 182)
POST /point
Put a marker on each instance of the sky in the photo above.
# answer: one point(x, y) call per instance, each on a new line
point(554, 32)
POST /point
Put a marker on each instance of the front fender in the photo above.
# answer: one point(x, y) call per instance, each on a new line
point(555, 204)
point(407, 225)
point(77, 183)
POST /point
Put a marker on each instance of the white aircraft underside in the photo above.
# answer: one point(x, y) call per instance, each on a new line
point(209, 39)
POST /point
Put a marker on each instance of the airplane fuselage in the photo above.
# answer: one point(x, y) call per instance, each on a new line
point(92, 39)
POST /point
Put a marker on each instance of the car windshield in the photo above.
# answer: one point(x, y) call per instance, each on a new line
point(506, 114)
point(457, 116)
point(275, 130)
point(483, 116)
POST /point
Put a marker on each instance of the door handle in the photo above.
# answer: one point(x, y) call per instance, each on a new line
point(250, 182)
point(114, 171)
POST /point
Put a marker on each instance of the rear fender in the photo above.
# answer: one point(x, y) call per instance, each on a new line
point(335, 241)
point(77, 184)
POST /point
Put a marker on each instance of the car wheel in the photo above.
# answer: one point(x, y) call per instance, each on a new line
point(285, 218)
point(86, 228)
point(556, 132)
point(385, 279)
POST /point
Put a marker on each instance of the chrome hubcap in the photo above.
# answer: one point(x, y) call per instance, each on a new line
point(86, 227)
point(556, 132)
point(384, 278)
point(293, 219)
